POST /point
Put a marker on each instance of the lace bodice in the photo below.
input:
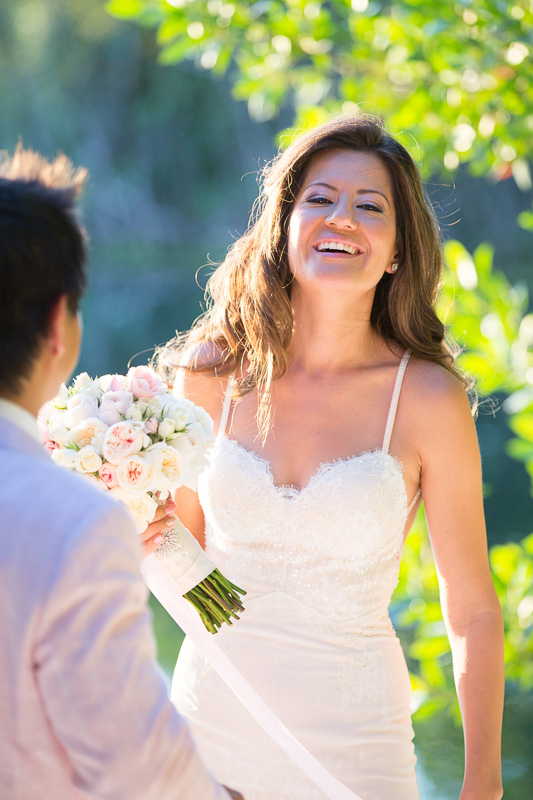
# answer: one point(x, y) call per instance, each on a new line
point(335, 545)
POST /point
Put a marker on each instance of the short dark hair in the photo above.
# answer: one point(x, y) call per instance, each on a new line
point(42, 254)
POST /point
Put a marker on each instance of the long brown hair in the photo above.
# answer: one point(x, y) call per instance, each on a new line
point(249, 314)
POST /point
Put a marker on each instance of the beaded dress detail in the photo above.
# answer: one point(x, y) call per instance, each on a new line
point(319, 566)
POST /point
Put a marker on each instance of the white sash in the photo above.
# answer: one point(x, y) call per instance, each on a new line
point(163, 588)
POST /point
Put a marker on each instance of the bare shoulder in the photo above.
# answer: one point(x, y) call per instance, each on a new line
point(429, 385)
point(205, 388)
point(436, 405)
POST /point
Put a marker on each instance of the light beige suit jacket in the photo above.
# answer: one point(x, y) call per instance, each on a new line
point(84, 712)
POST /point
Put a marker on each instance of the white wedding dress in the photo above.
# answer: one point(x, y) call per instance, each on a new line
point(319, 566)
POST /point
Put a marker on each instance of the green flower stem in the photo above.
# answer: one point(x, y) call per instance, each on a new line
point(216, 600)
point(204, 617)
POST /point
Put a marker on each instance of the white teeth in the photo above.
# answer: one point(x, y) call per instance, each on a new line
point(343, 248)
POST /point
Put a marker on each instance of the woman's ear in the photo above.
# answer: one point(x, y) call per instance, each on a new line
point(394, 265)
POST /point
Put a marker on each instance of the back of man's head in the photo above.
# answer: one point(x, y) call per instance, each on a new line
point(42, 255)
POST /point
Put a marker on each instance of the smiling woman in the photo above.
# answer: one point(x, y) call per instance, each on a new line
point(324, 367)
point(344, 230)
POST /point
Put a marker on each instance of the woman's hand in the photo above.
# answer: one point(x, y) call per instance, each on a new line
point(164, 519)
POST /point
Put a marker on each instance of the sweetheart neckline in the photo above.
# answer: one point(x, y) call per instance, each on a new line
point(295, 491)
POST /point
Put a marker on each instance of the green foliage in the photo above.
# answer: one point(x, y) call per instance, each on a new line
point(512, 568)
point(486, 315)
point(525, 220)
point(456, 76)
point(416, 609)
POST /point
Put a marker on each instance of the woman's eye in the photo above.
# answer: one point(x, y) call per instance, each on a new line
point(319, 199)
point(370, 207)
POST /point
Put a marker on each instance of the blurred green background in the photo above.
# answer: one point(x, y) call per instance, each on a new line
point(175, 106)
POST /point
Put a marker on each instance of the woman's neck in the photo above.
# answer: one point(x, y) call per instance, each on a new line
point(331, 332)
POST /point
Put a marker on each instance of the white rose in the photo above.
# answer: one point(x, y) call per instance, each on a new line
point(134, 412)
point(104, 381)
point(110, 416)
point(166, 428)
point(59, 434)
point(93, 391)
point(88, 460)
point(89, 432)
point(141, 508)
point(81, 382)
point(135, 473)
point(177, 413)
point(50, 414)
point(195, 457)
point(61, 398)
point(154, 407)
point(204, 419)
point(169, 465)
point(79, 408)
point(56, 416)
point(200, 439)
point(65, 457)
point(113, 405)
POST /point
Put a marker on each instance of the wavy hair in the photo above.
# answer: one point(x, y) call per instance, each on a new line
point(249, 315)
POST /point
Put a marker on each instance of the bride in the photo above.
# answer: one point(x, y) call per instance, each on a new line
point(338, 407)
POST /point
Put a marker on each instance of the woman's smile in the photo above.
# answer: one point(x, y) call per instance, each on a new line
point(336, 247)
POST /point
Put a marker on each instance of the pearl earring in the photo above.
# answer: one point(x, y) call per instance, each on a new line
point(394, 267)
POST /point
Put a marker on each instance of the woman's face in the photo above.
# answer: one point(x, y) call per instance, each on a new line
point(342, 228)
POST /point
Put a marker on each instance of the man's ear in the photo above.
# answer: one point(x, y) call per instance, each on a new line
point(57, 319)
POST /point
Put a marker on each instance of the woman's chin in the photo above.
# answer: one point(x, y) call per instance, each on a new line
point(334, 277)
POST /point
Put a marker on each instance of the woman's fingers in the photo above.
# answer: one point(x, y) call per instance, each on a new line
point(163, 520)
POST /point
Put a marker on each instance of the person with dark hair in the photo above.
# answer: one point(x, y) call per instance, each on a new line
point(84, 712)
point(338, 406)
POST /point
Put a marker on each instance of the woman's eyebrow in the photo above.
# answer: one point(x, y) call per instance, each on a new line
point(359, 191)
point(320, 183)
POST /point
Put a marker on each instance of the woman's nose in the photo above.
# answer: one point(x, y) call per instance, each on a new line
point(342, 216)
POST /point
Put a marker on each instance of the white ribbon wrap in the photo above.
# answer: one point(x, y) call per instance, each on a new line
point(163, 588)
point(183, 558)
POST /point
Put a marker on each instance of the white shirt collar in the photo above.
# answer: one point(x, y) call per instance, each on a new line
point(20, 417)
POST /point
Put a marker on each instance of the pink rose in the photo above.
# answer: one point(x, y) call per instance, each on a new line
point(135, 474)
point(123, 439)
point(151, 425)
point(112, 383)
point(117, 383)
point(144, 383)
point(108, 475)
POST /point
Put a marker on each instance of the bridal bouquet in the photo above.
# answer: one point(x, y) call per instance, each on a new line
point(131, 437)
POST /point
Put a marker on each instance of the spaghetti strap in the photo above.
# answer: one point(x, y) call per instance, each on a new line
point(227, 405)
point(413, 501)
point(394, 401)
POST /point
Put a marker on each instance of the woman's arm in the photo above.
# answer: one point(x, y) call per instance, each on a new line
point(452, 491)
